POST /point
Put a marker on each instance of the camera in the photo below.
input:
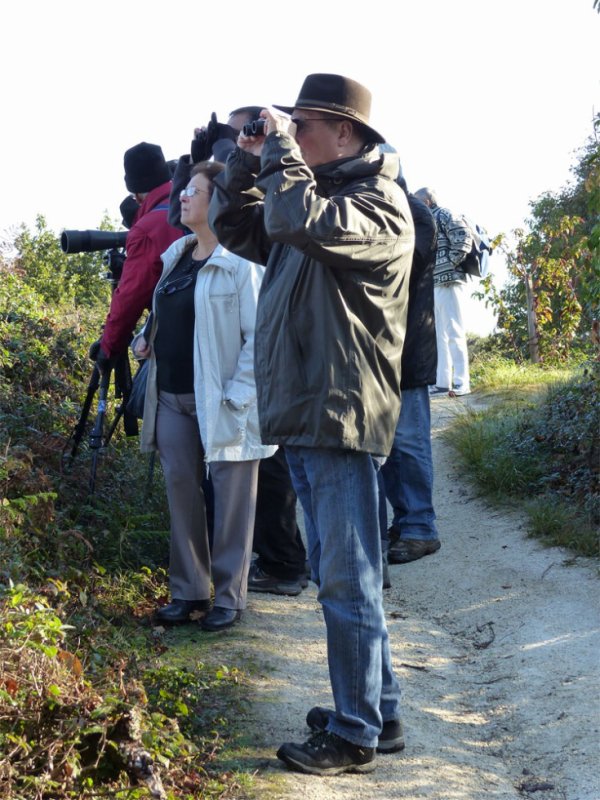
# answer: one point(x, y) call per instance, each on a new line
point(255, 128)
point(91, 241)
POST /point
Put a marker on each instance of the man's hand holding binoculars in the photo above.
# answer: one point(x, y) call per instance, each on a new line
point(253, 134)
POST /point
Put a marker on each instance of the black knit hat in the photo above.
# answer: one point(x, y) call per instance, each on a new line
point(145, 167)
point(338, 95)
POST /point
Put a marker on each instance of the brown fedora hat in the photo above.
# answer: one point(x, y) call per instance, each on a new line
point(337, 95)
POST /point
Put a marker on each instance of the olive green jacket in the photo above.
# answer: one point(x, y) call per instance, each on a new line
point(331, 316)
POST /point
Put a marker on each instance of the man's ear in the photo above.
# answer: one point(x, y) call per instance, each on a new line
point(346, 130)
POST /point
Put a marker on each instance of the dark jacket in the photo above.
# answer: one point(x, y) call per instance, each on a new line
point(181, 177)
point(331, 314)
point(149, 237)
point(419, 356)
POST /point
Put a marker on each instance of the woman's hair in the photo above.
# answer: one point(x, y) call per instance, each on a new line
point(209, 168)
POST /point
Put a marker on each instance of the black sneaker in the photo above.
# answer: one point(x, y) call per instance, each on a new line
point(261, 581)
point(391, 738)
point(327, 754)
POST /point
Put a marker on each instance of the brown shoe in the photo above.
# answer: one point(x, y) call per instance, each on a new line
point(406, 550)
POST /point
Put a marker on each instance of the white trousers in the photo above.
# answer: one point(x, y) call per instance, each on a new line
point(453, 357)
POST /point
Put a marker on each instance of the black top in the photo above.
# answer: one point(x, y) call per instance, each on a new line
point(419, 354)
point(174, 341)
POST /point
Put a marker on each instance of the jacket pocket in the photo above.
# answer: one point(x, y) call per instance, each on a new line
point(225, 323)
point(230, 426)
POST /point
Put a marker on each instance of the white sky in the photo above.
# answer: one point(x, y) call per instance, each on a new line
point(485, 101)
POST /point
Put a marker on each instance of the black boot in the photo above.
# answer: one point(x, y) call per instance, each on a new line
point(220, 618)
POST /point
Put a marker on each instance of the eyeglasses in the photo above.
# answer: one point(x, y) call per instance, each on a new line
point(301, 123)
point(178, 284)
point(190, 191)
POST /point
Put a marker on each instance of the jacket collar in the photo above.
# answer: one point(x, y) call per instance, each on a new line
point(153, 198)
point(220, 257)
point(370, 161)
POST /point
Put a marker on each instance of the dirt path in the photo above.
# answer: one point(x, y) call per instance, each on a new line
point(496, 642)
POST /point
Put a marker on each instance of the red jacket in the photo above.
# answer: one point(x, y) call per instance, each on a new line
point(149, 237)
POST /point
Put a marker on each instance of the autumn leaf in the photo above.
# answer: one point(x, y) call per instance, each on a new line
point(71, 662)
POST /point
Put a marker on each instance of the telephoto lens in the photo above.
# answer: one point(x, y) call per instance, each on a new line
point(254, 128)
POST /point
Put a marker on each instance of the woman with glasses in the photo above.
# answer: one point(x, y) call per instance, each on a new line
point(200, 408)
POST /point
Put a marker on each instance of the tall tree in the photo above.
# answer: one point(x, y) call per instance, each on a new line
point(551, 300)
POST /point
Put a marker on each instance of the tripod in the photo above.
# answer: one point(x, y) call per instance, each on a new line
point(100, 434)
point(99, 438)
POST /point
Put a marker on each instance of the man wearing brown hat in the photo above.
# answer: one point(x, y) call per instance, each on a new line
point(148, 178)
point(316, 201)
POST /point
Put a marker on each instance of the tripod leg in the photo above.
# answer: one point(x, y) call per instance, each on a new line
point(123, 381)
point(113, 426)
point(97, 432)
point(93, 472)
point(75, 439)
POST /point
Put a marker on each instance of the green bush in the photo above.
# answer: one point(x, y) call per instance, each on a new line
point(495, 366)
point(81, 575)
point(544, 448)
point(58, 279)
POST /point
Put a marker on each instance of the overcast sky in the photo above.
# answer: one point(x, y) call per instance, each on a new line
point(485, 101)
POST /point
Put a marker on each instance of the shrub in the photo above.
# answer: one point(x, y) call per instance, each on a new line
point(80, 575)
point(545, 449)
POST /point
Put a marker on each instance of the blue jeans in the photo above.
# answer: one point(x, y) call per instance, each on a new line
point(339, 496)
point(407, 475)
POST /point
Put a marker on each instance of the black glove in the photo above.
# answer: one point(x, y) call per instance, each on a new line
point(199, 149)
point(202, 145)
point(215, 131)
point(103, 361)
point(94, 350)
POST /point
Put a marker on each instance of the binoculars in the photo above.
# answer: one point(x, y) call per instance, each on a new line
point(254, 128)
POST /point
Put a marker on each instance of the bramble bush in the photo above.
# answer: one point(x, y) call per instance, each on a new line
point(88, 698)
